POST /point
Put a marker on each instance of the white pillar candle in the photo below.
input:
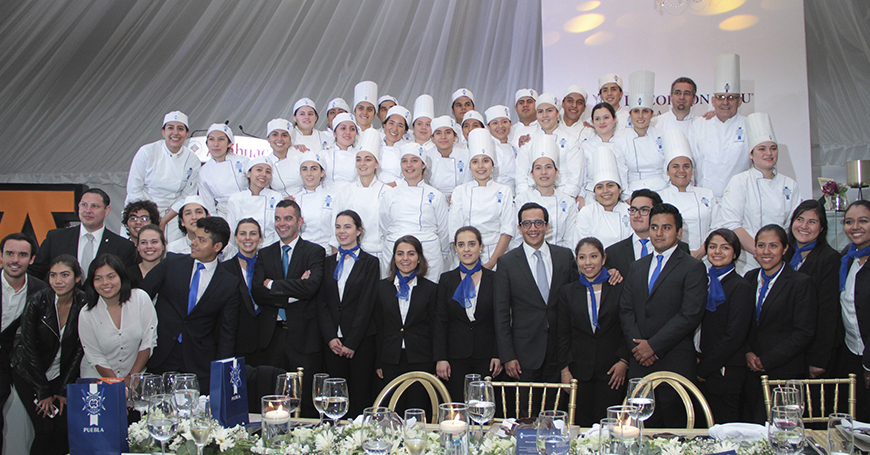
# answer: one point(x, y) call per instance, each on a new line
point(452, 426)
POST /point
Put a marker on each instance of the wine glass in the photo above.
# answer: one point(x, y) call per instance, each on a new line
point(185, 388)
point(786, 430)
point(200, 424)
point(798, 385)
point(841, 440)
point(162, 419)
point(317, 393)
point(415, 430)
point(143, 386)
point(379, 427)
point(642, 394)
point(553, 433)
point(288, 385)
point(786, 396)
point(336, 401)
point(168, 380)
point(469, 378)
point(480, 399)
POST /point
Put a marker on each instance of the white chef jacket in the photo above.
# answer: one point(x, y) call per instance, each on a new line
point(365, 202)
point(420, 211)
point(608, 227)
point(623, 122)
point(340, 166)
point(318, 211)
point(698, 207)
point(180, 245)
point(519, 130)
point(641, 160)
point(161, 176)
point(261, 208)
point(579, 129)
point(572, 166)
point(562, 211)
point(286, 179)
point(591, 148)
point(220, 180)
point(445, 174)
point(505, 164)
point(316, 141)
point(489, 208)
point(390, 164)
point(720, 151)
point(668, 121)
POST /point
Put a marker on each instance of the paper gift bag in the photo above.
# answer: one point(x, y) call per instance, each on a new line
point(97, 417)
point(229, 392)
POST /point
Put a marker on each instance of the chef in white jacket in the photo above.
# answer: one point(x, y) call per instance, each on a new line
point(165, 172)
point(560, 206)
point(638, 150)
point(483, 202)
point(697, 205)
point(610, 89)
point(340, 157)
point(190, 209)
point(421, 122)
point(257, 201)
point(224, 174)
point(304, 133)
point(363, 195)
point(316, 201)
point(448, 160)
point(365, 95)
point(680, 115)
point(759, 196)
point(415, 208)
point(498, 121)
point(573, 108)
point(284, 159)
point(524, 104)
point(335, 107)
point(605, 218)
point(719, 144)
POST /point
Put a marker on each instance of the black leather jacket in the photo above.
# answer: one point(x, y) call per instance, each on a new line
point(40, 341)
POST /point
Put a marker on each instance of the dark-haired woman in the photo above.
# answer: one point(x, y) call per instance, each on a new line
point(347, 299)
point(464, 336)
point(118, 328)
point(592, 347)
point(48, 356)
point(721, 363)
point(810, 253)
point(151, 248)
point(784, 320)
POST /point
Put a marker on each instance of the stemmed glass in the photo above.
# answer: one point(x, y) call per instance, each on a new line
point(317, 393)
point(786, 430)
point(379, 427)
point(469, 378)
point(798, 385)
point(200, 424)
point(143, 386)
point(415, 430)
point(162, 419)
point(553, 433)
point(289, 386)
point(168, 380)
point(185, 388)
point(642, 395)
point(480, 399)
point(336, 400)
point(786, 396)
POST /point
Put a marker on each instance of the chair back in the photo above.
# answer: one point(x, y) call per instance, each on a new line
point(434, 387)
point(519, 388)
point(684, 388)
point(816, 414)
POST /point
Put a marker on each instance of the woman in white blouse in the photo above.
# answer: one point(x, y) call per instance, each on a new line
point(118, 327)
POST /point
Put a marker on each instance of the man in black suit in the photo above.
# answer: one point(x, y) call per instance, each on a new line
point(87, 241)
point(622, 254)
point(197, 305)
point(17, 250)
point(662, 304)
point(527, 283)
point(287, 276)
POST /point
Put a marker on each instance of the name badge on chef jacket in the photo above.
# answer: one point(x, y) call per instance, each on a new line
point(625, 220)
point(739, 134)
point(786, 191)
point(563, 206)
point(189, 171)
point(272, 203)
point(461, 166)
point(659, 143)
point(562, 143)
point(431, 197)
point(499, 196)
point(705, 201)
point(239, 167)
point(327, 203)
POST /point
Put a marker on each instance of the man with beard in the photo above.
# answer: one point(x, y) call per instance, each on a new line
point(680, 116)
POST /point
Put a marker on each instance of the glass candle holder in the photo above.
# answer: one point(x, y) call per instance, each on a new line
point(606, 443)
point(626, 431)
point(454, 424)
point(276, 413)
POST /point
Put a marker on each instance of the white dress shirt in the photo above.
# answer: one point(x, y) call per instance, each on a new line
point(533, 262)
point(654, 263)
point(342, 279)
point(850, 315)
point(204, 276)
point(405, 304)
point(98, 238)
point(760, 282)
point(13, 302)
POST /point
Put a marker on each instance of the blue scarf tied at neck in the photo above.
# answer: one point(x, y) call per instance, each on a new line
point(465, 292)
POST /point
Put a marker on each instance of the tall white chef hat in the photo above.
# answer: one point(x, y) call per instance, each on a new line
point(338, 103)
point(759, 129)
point(462, 92)
point(547, 98)
point(497, 111)
point(473, 115)
point(412, 148)
point(175, 116)
point(604, 167)
point(576, 89)
point(524, 92)
point(480, 143)
point(304, 102)
point(370, 141)
point(727, 77)
point(387, 98)
point(401, 112)
point(608, 78)
point(424, 106)
point(344, 117)
point(278, 124)
point(641, 87)
point(313, 157)
point(258, 160)
point(445, 121)
point(365, 91)
point(223, 128)
point(544, 146)
point(675, 145)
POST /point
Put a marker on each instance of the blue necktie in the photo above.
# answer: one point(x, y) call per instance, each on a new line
point(194, 290)
point(765, 283)
point(716, 295)
point(656, 272)
point(798, 253)
point(285, 263)
point(853, 253)
point(465, 291)
point(541, 271)
point(643, 250)
point(249, 277)
point(342, 255)
point(603, 276)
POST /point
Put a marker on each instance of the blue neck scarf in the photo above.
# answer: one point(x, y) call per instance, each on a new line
point(249, 274)
point(798, 256)
point(465, 292)
point(404, 287)
point(342, 254)
point(603, 276)
point(716, 295)
point(765, 286)
point(853, 253)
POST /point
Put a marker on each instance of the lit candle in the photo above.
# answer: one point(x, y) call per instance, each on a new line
point(452, 426)
point(276, 416)
point(626, 432)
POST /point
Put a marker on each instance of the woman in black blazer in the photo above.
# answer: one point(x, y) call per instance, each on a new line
point(404, 317)
point(721, 361)
point(150, 250)
point(464, 336)
point(346, 302)
point(784, 320)
point(591, 344)
point(49, 326)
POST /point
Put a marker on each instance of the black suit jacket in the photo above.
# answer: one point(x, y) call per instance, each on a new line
point(417, 328)
point(787, 323)
point(620, 255)
point(724, 331)
point(246, 333)
point(354, 313)
point(66, 241)
point(667, 316)
point(862, 311)
point(523, 321)
point(590, 355)
point(8, 336)
point(455, 336)
point(303, 329)
point(209, 331)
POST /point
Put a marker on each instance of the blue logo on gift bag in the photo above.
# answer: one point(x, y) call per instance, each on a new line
point(431, 197)
point(93, 400)
point(786, 191)
point(236, 377)
point(705, 201)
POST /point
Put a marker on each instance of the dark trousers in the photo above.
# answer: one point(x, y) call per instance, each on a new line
point(5, 391)
point(723, 394)
point(415, 396)
point(851, 363)
point(50, 434)
point(175, 363)
point(548, 372)
point(359, 372)
point(281, 354)
point(593, 398)
point(459, 368)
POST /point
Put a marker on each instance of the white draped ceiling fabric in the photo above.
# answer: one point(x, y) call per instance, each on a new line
point(84, 83)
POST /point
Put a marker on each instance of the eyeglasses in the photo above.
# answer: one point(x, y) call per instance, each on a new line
point(527, 224)
point(727, 97)
point(143, 218)
point(643, 210)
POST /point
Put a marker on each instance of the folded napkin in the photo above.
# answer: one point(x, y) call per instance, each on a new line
point(592, 432)
point(738, 432)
